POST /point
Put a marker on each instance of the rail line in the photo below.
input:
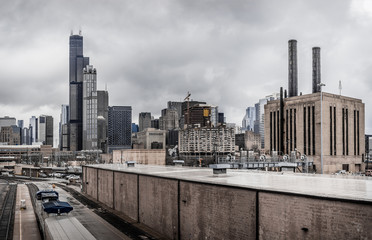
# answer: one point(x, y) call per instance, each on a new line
point(7, 213)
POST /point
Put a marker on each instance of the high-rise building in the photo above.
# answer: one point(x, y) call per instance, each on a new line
point(26, 140)
point(34, 130)
point(20, 124)
point(134, 128)
point(169, 119)
point(77, 64)
point(45, 134)
point(257, 119)
point(221, 118)
point(144, 121)
point(249, 119)
point(64, 138)
point(7, 121)
point(119, 132)
point(90, 108)
point(11, 135)
point(155, 123)
point(102, 119)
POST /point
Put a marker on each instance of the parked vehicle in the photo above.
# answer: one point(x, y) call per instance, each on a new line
point(340, 172)
point(23, 204)
point(43, 175)
point(368, 173)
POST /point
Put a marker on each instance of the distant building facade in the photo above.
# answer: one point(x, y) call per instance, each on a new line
point(119, 132)
point(206, 140)
point(45, 134)
point(152, 138)
point(11, 135)
point(144, 121)
point(7, 121)
point(102, 119)
point(34, 129)
point(64, 137)
point(249, 119)
point(90, 108)
point(169, 119)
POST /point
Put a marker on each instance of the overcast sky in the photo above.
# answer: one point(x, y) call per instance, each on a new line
point(227, 53)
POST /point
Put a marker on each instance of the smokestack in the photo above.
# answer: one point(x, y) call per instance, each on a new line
point(316, 69)
point(292, 68)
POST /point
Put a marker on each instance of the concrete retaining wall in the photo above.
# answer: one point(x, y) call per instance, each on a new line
point(180, 209)
point(125, 194)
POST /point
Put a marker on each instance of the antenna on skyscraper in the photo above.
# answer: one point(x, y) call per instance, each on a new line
point(72, 32)
point(106, 87)
point(339, 86)
point(79, 31)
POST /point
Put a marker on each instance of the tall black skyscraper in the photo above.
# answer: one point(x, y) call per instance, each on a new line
point(119, 132)
point(77, 64)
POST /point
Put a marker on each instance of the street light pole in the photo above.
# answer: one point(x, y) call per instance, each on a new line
point(321, 125)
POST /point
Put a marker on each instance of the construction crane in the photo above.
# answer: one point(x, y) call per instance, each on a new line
point(187, 98)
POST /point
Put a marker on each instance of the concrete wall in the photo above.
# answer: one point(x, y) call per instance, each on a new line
point(216, 212)
point(125, 194)
point(158, 209)
point(180, 209)
point(105, 186)
point(90, 181)
point(295, 217)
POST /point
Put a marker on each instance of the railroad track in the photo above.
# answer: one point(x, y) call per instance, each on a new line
point(7, 213)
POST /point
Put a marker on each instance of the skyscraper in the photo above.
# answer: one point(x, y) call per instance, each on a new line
point(102, 119)
point(77, 64)
point(119, 132)
point(45, 134)
point(249, 119)
point(64, 137)
point(90, 108)
point(33, 129)
point(144, 121)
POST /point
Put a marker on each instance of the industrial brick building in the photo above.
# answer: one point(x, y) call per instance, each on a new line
point(297, 123)
point(297, 127)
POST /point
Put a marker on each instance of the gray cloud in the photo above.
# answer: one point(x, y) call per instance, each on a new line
point(228, 53)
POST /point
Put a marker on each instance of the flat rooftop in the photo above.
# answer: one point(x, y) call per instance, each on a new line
point(329, 186)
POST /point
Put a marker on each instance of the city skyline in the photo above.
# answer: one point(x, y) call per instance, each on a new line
point(227, 54)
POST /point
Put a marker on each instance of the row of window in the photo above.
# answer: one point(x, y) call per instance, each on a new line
point(289, 123)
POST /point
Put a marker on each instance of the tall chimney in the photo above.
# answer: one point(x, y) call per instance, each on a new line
point(316, 69)
point(292, 68)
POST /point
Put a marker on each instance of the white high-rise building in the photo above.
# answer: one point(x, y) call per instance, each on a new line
point(45, 130)
point(249, 118)
point(89, 108)
point(34, 129)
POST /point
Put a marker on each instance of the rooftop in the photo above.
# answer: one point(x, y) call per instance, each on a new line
point(330, 186)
